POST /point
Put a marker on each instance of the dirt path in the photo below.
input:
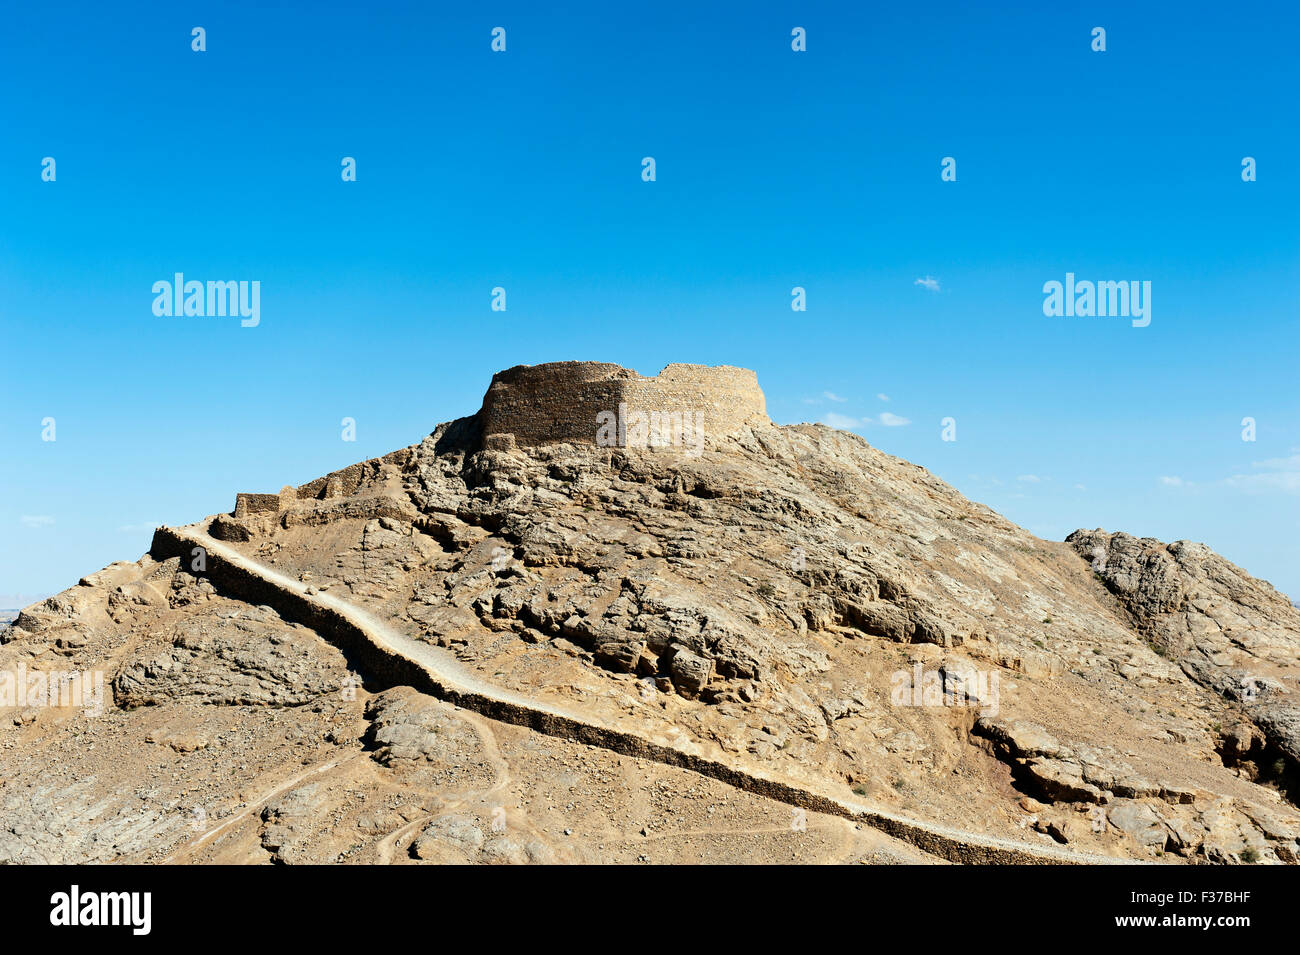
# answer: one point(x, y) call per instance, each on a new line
point(255, 804)
point(387, 847)
point(393, 656)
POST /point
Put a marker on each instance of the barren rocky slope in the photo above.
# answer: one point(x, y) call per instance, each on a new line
point(789, 604)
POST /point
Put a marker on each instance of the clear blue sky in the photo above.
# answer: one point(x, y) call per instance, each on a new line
point(774, 169)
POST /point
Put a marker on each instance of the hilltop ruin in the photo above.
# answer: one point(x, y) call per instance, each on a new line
point(567, 402)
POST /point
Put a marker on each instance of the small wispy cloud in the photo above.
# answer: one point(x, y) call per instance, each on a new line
point(929, 282)
point(1029, 479)
point(1169, 480)
point(840, 420)
point(1287, 482)
point(1272, 474)
point(36, 520)
point(833, 396)
point(883, 397)
point(836, 420)
point(1291, 463)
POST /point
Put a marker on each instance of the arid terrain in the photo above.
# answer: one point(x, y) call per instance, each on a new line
point(513, 642)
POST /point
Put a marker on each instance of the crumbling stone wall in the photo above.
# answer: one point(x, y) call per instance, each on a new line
point(336, 484)
point(339, 483)
point(560, 401)
point(246, 504)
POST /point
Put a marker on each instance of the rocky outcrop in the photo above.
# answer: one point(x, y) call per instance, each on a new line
point(231, 656)
point(1227, 630)
point(409, 731)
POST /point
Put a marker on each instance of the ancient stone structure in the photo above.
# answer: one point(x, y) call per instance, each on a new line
point(336, 484)
point(562, 401)
point(246, 504)
point(567, 401)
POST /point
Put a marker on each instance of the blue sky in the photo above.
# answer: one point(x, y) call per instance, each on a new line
point(775, 169)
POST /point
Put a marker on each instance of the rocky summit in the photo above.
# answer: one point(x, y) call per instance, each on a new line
point(615, 618)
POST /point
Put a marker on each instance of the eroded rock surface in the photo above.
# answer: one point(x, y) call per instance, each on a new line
point(1227, 630)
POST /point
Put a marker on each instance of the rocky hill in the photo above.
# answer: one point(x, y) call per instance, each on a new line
point(615, 618)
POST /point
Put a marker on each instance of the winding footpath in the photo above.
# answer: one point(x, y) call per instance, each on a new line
point(399, 660)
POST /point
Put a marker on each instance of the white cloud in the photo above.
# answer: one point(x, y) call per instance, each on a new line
point(929, 282)
point(1288, 482)
point(1279, 464)
point(1029, 479)
point(1080, 487)
point(1175, 481)
point(836, 420)
point(840, 420)
point(1272, 474)
point(833, 396)
point(883, 397)
point(36, 520)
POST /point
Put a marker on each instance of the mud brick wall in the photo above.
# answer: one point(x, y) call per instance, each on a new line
point(246, 504)
point(560, 401)
point(342, 483)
